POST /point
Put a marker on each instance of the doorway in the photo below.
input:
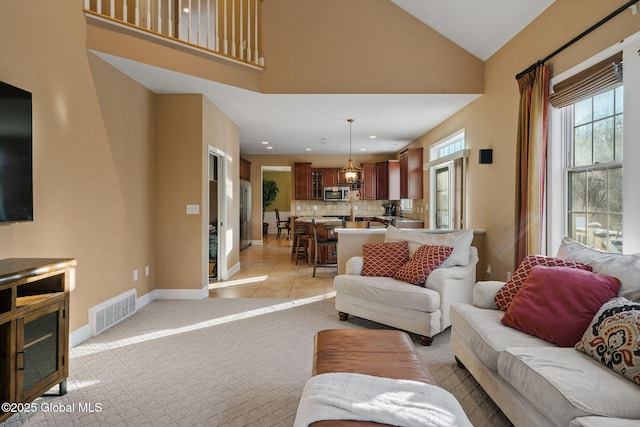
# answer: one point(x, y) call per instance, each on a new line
point(216, 223)
point(281, 176)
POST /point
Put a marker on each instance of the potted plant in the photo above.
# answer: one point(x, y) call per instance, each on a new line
point(269, 194)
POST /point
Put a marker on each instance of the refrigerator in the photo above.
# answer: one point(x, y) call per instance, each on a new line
point(245, 214)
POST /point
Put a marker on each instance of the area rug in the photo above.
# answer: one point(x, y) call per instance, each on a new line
point(218, 362)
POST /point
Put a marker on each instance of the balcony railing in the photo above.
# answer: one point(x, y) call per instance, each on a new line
point(229, 28)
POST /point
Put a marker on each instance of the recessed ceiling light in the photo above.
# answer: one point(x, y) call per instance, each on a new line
point(307, 149)
point(264, 142)
point(269, 148)
point(372, 137)
point(185, 10)
point(363, 149)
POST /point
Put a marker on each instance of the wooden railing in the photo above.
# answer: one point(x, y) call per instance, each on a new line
point(226, 27)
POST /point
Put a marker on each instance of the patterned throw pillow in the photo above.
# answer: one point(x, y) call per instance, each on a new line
point(613, 338)
point(424, 261)
point(508, 291)
point(383, 259)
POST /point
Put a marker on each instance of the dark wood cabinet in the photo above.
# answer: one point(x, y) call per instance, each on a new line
point(411, 173)
point(330, 177)
point(316, 184)
point(302, 174)
point(245, 169)
point(34, 327)
point(388, 180)
point(369, 184)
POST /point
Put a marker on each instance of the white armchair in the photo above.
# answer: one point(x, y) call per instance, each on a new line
point(417, 309)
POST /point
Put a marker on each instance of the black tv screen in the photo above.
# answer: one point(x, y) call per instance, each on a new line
point(16, 163)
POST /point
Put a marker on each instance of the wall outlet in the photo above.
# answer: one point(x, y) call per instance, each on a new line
point(135, 275)
point(146, 270)
point(508, 275)
point(193, 209)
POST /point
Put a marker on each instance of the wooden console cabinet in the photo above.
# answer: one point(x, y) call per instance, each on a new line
point(34, 327)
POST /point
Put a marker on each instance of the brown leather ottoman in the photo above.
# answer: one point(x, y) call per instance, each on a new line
point(382, 353)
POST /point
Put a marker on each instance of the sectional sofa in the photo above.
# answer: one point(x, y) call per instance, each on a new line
point(537, 382)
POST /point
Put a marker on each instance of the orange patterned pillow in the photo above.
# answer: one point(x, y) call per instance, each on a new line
point(508, 291)
point(383, 259)
point(426, 259)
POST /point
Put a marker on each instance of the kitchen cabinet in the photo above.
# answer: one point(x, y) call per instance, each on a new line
point(245, 169)
point(411, 173)
point(302, 174)
point(369, 184)
point(316, 184)
point(330, 177)
point(388, 180)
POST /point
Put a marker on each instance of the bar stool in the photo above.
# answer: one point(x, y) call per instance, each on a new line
point(300, 243)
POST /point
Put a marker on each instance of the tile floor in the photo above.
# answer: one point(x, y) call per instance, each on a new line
point(268, 272)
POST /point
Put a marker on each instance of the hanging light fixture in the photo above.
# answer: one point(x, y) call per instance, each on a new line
point(351, 171)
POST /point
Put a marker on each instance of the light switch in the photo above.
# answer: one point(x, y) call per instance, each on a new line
point(193, 209)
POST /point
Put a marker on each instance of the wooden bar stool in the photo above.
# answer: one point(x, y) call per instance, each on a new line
point(300, 243)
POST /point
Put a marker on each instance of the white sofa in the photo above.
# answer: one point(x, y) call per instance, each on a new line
point(417, 309)
point(534, 382)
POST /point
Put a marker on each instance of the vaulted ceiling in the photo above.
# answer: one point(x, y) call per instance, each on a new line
point(283, 122)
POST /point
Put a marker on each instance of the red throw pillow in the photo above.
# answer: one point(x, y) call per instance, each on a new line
point(384, 259)
point(557, 304)
point(426, 259)
point(508, 291)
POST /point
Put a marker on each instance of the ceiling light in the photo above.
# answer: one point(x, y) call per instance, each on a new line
point(372, 137)
point(185, 10)
point(269, 148)
point(351, 172)
point(264, 142)
point(307, 149)
point(363, 149)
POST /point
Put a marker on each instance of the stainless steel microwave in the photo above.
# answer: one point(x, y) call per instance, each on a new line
point(336, 194)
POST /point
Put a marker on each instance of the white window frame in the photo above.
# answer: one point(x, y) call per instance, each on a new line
point(557, 205)
point(438, 161)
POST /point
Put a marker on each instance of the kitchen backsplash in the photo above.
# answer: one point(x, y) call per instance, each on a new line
point(320, 208)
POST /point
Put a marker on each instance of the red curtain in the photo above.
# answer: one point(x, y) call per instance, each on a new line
point(531, 162)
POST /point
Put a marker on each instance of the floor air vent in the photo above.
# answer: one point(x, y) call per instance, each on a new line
point(107, 314)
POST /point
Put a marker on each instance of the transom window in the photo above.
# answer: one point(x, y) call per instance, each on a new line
point(446, 174)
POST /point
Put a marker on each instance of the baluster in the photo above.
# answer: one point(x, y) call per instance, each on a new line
point(208, 42)
point(256, 57)
point(148, 15)
point(159, 29)
point(180, 24)
point(189, 24)
point(125, 14)
point(87, 4)
point(249, 31)
point(170, 17)
point(233, 28)
point(136, 13)
point(225, 43)
point(99, 8)
point(216, 24)
point(241, 30)
point(198, 29)
point(112, 9)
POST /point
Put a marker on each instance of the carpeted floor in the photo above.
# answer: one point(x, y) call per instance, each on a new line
point(217, 362)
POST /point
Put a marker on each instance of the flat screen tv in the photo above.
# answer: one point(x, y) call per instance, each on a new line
point(16, 163)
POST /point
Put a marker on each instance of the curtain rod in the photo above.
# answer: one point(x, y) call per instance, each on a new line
point(578, 37)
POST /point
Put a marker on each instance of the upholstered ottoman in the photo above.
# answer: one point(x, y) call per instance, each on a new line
point(389, 354)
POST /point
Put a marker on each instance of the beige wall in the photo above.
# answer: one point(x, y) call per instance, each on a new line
point(359, 46)
point(92, 153)
point(491, 120)
point(110, 188)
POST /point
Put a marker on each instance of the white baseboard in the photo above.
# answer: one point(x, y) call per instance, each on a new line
point(257, 243)
point(83, 333)
point(233, 270)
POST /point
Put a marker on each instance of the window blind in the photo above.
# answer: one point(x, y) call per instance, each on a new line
point(599, 78)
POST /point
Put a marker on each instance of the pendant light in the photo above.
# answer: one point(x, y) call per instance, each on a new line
point(351, 171)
